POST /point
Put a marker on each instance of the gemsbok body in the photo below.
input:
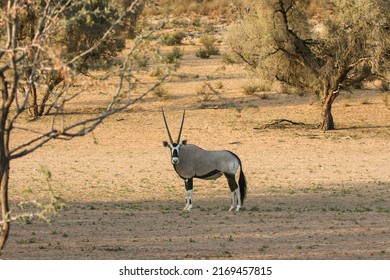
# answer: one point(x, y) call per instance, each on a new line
point(190, 161)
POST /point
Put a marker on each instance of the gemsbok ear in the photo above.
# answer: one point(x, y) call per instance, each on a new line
point(184, 142)
point(165, 143)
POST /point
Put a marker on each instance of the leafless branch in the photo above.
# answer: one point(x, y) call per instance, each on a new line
point(82, 127)
point(281, 123)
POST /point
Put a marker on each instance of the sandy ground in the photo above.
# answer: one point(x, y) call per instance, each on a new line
point(311, 195)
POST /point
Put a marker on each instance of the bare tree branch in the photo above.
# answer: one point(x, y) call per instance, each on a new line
point(85, 126)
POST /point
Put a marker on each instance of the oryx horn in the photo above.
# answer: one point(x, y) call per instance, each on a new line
point(166, 125)
point(181, 127)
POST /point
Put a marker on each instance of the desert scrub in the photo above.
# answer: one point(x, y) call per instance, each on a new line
point(173, 56)
point(228, 59)
point(202, 53)
point(172, 39)
point(207, 92)
point(384, 86)
point(160, 92)
point(203, 94)
point(195, 7)
point(208, 48)
point(142, 61)
point(157, 72)
point(250, 89)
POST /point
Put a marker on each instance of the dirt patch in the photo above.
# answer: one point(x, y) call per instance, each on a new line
point(311, 195)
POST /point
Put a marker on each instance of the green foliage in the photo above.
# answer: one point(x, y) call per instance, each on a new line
point(202, 53)
point(253, 85)
point(129, 25)
point(142, 61)
point(209, 48)
point(173, 56)
point(30, 210)
point(85, 24)
point(79, 27)
point(157, 72)
point(172, 39)
point(313, 48)
point(341, 40)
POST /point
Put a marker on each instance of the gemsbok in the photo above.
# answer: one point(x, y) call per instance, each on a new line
point(190, 161)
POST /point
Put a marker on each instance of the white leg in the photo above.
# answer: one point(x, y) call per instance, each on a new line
point(234, 200)
point(188, 206)
point(238, 197)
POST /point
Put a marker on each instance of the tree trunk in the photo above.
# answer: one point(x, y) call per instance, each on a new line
point(33, 107)
point(5, 215)
point(328, 97)
point(4, 177)
point(38, 106)
point(4, 162)
point(326, 115)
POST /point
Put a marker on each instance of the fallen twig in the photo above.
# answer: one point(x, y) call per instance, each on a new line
point(282, 123)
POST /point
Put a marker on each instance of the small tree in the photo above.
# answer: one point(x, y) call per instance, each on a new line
point(23, 63)
point(317, 46)
point(84, 23)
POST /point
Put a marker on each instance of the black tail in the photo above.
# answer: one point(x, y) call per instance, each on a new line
point(241, 180)
point(242, 184)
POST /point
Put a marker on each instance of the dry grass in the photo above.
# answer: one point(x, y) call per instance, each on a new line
point(192, 7)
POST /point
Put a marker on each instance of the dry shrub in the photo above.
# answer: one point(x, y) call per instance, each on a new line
point(198, 7)
point(209, 49)
point(160, 92)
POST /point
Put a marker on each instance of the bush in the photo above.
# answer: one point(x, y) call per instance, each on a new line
point(157, 72)
point(207, 92)
point(78, 28)
point(202, 53)
point(209, 49)
point(250, 89)
point(384, 86)
point(86, 24)
point(142, 61)
point(172, 39)
point(174, 56)
point(160, 92)
point(227, 59)
point(208, 41)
